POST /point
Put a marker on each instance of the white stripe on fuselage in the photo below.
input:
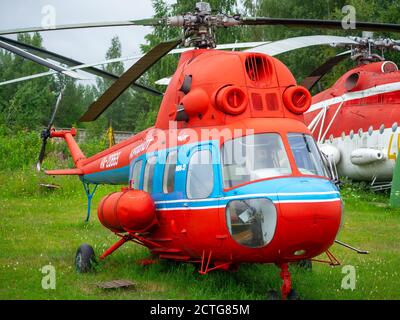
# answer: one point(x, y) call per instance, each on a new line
point(384, 88)
point(224, 205)
point(254, 195)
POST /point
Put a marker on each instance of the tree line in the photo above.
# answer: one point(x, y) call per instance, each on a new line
point(27, 105)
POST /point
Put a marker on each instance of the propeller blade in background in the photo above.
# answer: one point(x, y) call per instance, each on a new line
point(71, 62)
point(318, 23)
point(144, 22)
point(164, 81)
point(281, 46)
point(79, 67)
point(322, 70)
point(127, 78)
point(38, 60)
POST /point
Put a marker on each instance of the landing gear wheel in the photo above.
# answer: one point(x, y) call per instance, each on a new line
point(305, 264)
point(84, 258)
point(272, 295)
point(293, 295)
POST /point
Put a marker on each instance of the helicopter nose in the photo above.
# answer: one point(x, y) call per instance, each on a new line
point(309, 224)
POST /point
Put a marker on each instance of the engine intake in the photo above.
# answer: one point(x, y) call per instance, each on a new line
point(365, 156)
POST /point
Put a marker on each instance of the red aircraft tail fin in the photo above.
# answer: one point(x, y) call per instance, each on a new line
point(76, 152)
point(64, 172)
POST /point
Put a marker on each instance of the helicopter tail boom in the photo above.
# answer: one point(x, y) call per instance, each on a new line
point(76, 152)
point(65, 172)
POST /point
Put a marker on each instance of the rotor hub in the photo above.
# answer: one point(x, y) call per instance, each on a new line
point(368, 49)
point(199, 26)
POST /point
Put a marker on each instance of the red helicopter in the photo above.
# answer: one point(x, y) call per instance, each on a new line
point(355, 121)
point(229, 174)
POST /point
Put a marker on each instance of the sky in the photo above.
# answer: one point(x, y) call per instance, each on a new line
point(85, 45)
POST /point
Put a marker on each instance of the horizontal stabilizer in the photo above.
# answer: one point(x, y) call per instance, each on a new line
point(64, 172)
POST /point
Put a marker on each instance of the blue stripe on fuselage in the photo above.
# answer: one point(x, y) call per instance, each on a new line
point(279, 190)
point(113, 176)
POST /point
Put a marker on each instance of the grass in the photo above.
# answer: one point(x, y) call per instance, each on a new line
point(40, 227)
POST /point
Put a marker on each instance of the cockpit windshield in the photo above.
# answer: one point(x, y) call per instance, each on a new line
point(306, 154)
point(254, 157)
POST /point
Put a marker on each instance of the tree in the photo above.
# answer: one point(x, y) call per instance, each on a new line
point(123, 112)
point(29, 104)
point(26, 104)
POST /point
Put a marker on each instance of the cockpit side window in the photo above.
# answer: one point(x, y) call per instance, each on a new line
point(169, 172)
point(200, 176)
point(149, 174)
point(254, 157)
point(137, 170)
point(306, 154)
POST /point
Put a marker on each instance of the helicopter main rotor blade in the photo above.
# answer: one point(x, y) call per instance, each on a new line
point(131, 75)
point(38, 60)
point(84, 67)
point(72, 63)
point(318, 23)
point(322, 70)
point(144, 22)
point(281, 46)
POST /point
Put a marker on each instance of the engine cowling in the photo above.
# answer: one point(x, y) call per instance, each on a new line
point(127, 211)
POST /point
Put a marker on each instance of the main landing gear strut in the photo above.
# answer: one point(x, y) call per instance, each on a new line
point(89, 194)
point(287, 293)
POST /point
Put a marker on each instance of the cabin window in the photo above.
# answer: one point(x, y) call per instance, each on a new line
point(137, 169)
point(254, 157)
point(306, 154)
point(251, 222)
point(169, 172)
point(200, 177)
point(149, 174)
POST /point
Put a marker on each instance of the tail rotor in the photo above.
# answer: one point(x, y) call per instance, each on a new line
point(45, 134)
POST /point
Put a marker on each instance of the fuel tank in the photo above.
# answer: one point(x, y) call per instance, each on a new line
point(127, 211)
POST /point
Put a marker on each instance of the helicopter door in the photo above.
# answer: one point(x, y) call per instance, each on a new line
point(201, 193)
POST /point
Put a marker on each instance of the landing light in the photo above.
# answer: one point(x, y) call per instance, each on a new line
point(300, 252)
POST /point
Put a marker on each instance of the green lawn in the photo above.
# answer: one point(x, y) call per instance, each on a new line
point(38, 228)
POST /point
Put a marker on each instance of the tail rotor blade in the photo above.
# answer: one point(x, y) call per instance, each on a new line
point(46, 132)
point(59, 98)
point(41, 155)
